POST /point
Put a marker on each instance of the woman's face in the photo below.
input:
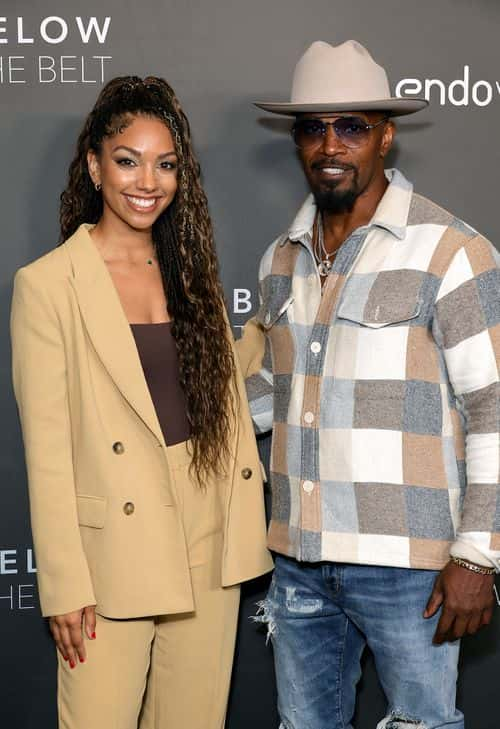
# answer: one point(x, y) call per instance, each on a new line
point(137, 169)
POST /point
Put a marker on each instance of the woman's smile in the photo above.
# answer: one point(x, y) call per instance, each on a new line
point(142, 205)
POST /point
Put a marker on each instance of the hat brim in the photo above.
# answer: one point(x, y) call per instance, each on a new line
point(394, 106)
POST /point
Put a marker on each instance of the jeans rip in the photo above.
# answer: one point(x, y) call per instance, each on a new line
point(400, 720)
point(297, 604)
point(266, 615)
point(287, 601)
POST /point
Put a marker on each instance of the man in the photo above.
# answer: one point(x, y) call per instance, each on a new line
point(374, 357)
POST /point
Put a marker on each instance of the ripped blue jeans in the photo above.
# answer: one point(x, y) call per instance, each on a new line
point(320, 618)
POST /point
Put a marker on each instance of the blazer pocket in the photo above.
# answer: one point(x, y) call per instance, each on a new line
point(383, 315)
point(91, 510)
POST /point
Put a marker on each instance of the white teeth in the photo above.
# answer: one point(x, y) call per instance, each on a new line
point(141, 202)
point(333, 170)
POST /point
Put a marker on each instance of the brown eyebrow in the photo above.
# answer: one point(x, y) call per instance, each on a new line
point(138, 154)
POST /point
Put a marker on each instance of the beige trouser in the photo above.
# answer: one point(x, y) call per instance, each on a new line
point(168, 671)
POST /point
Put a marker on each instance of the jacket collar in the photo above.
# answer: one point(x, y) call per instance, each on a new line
point(391, 213)
point(107, 325)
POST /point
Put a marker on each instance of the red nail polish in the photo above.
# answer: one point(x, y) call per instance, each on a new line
point(93, 636)
point(72, 664)
point(82, 660)
point(65, 658)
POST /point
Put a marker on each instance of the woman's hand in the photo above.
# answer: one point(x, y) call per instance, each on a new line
point(68, 633)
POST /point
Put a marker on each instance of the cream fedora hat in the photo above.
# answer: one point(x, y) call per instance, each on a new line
point(341, 78)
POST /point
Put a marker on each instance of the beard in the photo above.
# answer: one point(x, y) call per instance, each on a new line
point(331, 197)
point(335, 201)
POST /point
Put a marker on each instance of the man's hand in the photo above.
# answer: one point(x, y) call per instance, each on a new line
point(68, 633)
point(466, 599)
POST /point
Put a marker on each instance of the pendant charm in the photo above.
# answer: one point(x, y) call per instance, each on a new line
point(324, 267)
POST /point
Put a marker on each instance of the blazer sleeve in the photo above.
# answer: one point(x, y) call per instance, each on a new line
point(41, 390)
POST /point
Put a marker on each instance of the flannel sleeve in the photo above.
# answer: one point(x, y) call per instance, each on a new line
point(255, 359)
point(467, 322)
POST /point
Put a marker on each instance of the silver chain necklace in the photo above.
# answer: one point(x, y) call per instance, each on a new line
point(323, 258)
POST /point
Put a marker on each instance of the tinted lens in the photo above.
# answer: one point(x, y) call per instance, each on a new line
point(308, 132)
point(351, 130)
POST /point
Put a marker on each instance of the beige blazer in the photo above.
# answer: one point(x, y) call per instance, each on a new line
point(94, 445)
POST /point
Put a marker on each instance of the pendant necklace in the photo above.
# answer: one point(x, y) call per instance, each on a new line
point(323, 258)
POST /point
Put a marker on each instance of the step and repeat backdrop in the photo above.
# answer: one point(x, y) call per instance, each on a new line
point(219, 55)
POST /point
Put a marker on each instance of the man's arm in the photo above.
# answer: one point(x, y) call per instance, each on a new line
point(254, 355)
point(467, 327)
point(255, 361)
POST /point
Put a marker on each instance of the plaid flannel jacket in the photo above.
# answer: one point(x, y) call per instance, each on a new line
point(382, 390)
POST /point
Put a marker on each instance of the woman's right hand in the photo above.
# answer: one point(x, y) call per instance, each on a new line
point(68, 629)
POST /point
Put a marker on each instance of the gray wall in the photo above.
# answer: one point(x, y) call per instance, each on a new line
point(220, 55)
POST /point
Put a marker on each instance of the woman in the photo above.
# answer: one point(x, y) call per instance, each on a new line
point(145, 488)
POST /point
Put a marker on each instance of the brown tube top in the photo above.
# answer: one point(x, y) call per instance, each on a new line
point(158, 354)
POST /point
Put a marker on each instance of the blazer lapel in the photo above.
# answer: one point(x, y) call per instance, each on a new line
point(107, 326)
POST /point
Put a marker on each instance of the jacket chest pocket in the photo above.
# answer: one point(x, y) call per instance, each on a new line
point(274, 317)
point(381, 341)
point(390, 298)
point(274, 310)
point(382, 313)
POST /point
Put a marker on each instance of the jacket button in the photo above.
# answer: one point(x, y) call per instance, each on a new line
point(246, 473)
point(118, 448)
point(128, 508)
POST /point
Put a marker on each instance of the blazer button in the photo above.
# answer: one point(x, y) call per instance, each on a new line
point(118, 448)
point(246, 473)
point(128, 508)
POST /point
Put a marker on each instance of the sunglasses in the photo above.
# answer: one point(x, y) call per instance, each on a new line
point(351, 131)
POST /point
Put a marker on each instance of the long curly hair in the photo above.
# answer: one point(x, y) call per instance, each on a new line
point(184, 245)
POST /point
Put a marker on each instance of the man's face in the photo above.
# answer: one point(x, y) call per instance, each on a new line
point(339, 174)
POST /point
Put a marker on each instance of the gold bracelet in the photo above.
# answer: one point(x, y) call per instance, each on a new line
point(478, 569)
